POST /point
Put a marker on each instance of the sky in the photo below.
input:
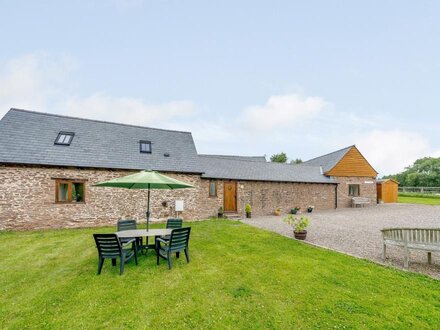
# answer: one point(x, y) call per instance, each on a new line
point(245, 77)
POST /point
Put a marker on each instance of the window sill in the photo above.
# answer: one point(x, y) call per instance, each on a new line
point(70, 203)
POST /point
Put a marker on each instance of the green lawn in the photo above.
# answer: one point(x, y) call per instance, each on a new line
point(419, 199)
point(239, 277)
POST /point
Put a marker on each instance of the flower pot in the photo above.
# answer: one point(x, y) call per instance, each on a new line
point(309, 210)
point(248, 215)
point(300, 234)
point(220, 215)
point(293, 211)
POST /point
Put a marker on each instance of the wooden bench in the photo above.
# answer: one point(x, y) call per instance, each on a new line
point(362, 201)
point(426, 239)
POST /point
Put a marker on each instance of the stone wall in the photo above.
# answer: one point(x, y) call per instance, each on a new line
point(367, 187)
point(265, 197)
point(27, 198)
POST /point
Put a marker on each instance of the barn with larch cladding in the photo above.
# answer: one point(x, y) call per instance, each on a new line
point(49, 164)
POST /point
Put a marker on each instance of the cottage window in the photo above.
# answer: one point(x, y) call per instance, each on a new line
point(353, 190)
point(212, 188)
point(70, 191)
point(64, 138)
point(145, 147)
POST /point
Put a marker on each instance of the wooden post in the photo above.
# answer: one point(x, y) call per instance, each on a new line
point(429, 258)
point(384, 255)
point(406, 259)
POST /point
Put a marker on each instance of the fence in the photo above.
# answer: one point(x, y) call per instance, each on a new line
point(420, 190)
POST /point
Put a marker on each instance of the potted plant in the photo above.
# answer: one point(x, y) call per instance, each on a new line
point(295, 210)
point(299, 226)
point(248, 210)
point(310, 208)
point(220, 212)
point(277, 211)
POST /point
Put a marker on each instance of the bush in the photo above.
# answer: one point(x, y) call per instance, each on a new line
point(298, 224)
point(419, 195)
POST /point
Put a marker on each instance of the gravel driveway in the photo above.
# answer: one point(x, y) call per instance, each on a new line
point(357, 231)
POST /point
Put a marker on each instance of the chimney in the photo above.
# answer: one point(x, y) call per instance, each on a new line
point(321, 170)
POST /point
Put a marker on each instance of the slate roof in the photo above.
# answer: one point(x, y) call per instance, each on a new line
point(249, 158)
point(240, 169)
point(27, 137)
point(328, 161)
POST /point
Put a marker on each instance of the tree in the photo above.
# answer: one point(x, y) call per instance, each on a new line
point(296, 161)
point(425, 172)
point(279, 158)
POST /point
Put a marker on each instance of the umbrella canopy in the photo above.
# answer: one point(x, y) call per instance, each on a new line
point(145, 180)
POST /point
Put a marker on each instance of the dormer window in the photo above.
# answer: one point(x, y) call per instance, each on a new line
point(64, 138)
point(145, 147)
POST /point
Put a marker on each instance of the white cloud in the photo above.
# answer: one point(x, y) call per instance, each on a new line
point(45, 82)
point(391, 151)
point(33, 80)
point(127, 110)
point(300, 125)
point(282, 111)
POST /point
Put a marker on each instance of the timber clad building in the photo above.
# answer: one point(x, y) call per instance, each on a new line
point(49, 163)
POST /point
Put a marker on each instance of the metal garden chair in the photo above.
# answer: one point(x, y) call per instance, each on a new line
point(109, 247)
point(177, 243)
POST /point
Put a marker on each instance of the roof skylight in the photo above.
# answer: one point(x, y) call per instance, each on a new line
point(64, 138)
point(145, 147)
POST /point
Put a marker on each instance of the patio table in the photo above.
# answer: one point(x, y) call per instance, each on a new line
point(134, 233)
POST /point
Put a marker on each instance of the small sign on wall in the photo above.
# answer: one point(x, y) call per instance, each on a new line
point(369, 182)
point(179, 206)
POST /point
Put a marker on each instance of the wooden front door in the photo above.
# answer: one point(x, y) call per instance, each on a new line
point(230, 196)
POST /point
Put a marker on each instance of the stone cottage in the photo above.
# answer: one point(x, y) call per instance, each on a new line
point(353, 173)
point(49, 164)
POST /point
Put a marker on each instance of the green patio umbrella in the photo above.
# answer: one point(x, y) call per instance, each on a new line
point(145, 180)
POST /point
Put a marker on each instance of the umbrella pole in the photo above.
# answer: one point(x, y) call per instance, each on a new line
point(148, 208)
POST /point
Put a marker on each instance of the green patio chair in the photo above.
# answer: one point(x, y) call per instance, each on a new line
point(128, 224)
point(174, 223)
point(177, 243)
point(109, 247)
point(171, 224)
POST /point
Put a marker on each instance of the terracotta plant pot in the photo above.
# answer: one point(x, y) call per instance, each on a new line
point(300, 234)
point(248, 215)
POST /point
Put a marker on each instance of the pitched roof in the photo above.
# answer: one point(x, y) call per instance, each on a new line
point(386, 180)
point(328, 161)
point(249, 158)
point(27, 137)
point(239, 169)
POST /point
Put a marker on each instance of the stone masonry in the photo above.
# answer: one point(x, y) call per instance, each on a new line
point(27, 198)
point(265, 197)
point(367, 187)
